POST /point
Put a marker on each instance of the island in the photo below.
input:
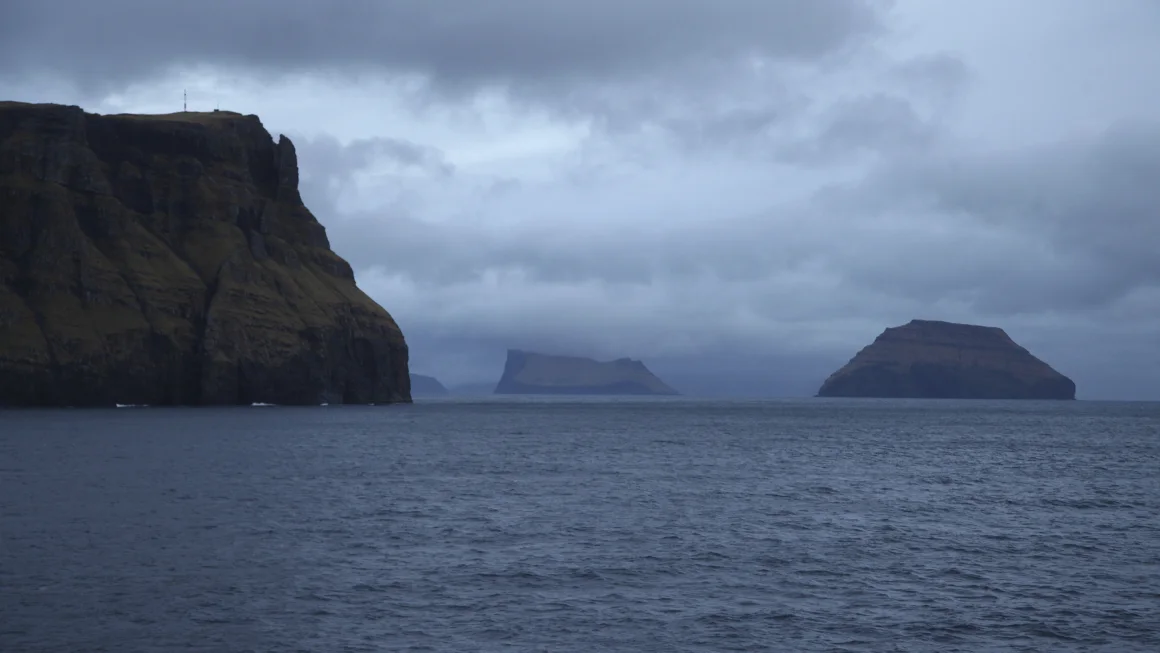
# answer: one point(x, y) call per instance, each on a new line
point(935, 359)
point(529, 373)
point(475, 389)
point(427, 386)
point(169, 260)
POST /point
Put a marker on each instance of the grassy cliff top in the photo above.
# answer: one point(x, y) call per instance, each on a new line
point(199, 117)
point(181, 116)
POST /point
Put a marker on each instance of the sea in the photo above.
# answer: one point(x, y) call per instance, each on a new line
point(583, 525)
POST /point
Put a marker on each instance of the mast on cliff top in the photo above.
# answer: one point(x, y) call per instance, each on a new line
point(184, 101)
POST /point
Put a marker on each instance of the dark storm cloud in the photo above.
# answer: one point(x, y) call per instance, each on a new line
point(879, 123)
point(328, 166)
point(440, 253)
point(455, 42)
point(767, 116)
point(1066, 226)
point(941, 73)
point(1052, 229)
point(874, 121)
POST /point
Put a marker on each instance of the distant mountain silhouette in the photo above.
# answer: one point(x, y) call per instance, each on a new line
point(472, 389)
point(532, 373)
point(422, 385)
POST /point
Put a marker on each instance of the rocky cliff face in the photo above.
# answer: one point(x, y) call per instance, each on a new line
point(531, 373)
point(170, 260)
point(930, 359)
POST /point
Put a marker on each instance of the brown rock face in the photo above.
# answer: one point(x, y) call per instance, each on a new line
point(170, 260)
point(931, 359)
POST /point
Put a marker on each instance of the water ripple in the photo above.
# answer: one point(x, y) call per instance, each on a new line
point(584, 526)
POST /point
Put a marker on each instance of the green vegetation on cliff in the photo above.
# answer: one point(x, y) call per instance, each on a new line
point(170, 260)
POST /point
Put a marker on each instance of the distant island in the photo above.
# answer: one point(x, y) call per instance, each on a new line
point(427, 386)
point(169, 260)
point(476, 389)
point(934, 359)
point(532, 373)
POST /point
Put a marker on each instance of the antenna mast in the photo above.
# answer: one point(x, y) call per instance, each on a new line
point(184, 101)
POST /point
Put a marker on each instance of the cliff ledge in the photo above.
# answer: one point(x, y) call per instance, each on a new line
point(169, 260)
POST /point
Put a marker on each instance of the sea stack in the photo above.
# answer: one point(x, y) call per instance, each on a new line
point(532, 373)
point(945, 360)
point(169, 259)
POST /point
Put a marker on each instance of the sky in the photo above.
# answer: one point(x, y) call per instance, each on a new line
point(742, 193)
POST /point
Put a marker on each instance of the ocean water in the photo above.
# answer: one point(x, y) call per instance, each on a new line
point(583, 525)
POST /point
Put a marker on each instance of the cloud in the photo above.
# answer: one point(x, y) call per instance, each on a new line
point(454, 43)
point(932, 229)
point(940, 73)
point(1069, 225)
point(854, 126)
point(1061, 228)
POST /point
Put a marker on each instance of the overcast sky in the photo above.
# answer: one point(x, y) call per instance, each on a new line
point(745, 188)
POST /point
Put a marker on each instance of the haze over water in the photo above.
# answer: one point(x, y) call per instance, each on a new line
point(584, 525)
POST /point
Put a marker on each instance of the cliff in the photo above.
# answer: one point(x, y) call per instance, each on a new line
point(427, 385)
point(169, 260)
point(531, 373)
point(931, 359)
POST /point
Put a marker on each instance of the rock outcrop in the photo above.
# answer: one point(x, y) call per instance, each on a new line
point(531, 373)
point(427, 386)
point(169, 260)
point(932, 359)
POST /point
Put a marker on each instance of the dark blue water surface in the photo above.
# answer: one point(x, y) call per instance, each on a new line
point(583, 525)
